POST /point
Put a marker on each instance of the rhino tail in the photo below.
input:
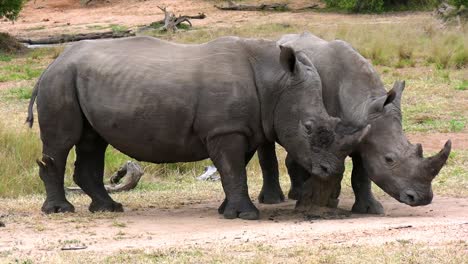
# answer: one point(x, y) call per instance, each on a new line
point(30, 118)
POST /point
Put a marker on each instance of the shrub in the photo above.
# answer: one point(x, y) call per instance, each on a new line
point(458, 3)
point(377, 6)
point(357, 5)
point(10, 8)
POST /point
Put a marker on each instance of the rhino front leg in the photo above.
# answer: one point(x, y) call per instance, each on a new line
point(298, 175)
point(271, 192)
point(365, 202)
point(89, 171)
point(228, 153)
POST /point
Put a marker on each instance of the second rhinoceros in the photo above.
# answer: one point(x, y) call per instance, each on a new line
point(353, 91)
point(162, 102)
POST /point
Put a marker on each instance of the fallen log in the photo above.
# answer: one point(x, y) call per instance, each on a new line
point(131, 174)
point(77, 37)
point(262, 7)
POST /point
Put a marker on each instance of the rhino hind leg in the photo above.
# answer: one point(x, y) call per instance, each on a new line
point(271, 192)
point(365, 202)
point(89, 171)
point(51, 171)
point(228, 154)
point(60, 124)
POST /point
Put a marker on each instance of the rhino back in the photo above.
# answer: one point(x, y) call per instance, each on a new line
point(159, 101)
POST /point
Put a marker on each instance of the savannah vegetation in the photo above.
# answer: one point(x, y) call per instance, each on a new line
point(434, 63)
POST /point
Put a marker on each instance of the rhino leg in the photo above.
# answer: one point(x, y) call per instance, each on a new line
point(228, 155)
point(51, 171)
point(365, 203)
point(271, 192)
point(221, 208)
point(297, 175)
point(89, 171)
point(60, 123)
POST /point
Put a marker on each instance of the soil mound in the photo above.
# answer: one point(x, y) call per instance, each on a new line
point(9, 44)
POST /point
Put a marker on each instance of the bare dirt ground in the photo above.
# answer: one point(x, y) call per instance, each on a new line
point(49, 17)
point(435, 141)
point(445, 220)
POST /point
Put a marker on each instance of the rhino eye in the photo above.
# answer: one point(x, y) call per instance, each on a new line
point(308, 126)
point(389, 160)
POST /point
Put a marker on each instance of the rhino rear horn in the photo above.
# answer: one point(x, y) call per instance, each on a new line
point(436, 162)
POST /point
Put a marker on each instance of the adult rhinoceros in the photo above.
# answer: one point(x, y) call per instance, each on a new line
point(353, 91)
point(162, 102)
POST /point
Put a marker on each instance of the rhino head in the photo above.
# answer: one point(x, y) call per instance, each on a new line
point(392, 162)
point(319, 142)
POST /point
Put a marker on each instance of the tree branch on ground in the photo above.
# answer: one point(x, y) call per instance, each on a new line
point(171, 21)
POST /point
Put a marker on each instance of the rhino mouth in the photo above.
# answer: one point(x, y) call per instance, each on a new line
point(414, 198)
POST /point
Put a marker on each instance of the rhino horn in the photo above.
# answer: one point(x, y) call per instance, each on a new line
point(436, 162)
point(354, 138)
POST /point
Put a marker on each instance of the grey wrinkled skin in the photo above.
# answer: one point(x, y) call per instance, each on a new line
point(353, 91)
point(162, 102)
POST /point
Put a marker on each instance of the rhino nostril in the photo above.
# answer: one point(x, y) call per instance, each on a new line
point(324, 168)
point(410, 197)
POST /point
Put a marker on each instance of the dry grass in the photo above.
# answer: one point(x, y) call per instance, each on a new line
point(396, 252)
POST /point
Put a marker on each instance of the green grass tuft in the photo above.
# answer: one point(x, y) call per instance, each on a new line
point(457, 125)
point(20, 93)
point(463, 86)
point(118, 28)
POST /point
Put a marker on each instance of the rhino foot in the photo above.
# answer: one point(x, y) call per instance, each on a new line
point(50, 207)
point(222, 207)
point(271, 196)
point(242, 209)
point(99, 206)
point(369, 206)
point(294, 194)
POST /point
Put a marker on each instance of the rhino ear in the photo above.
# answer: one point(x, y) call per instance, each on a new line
point(378, 104)
point(287, 58)
point(398, 88)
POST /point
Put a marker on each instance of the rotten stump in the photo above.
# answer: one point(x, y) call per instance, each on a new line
point(319, 198)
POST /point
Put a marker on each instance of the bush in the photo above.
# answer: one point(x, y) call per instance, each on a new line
point(357, 5)
point(458, 3)
point(10, 8)
point(377, 6)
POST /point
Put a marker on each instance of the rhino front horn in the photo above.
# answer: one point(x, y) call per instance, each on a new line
point(436, 162)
